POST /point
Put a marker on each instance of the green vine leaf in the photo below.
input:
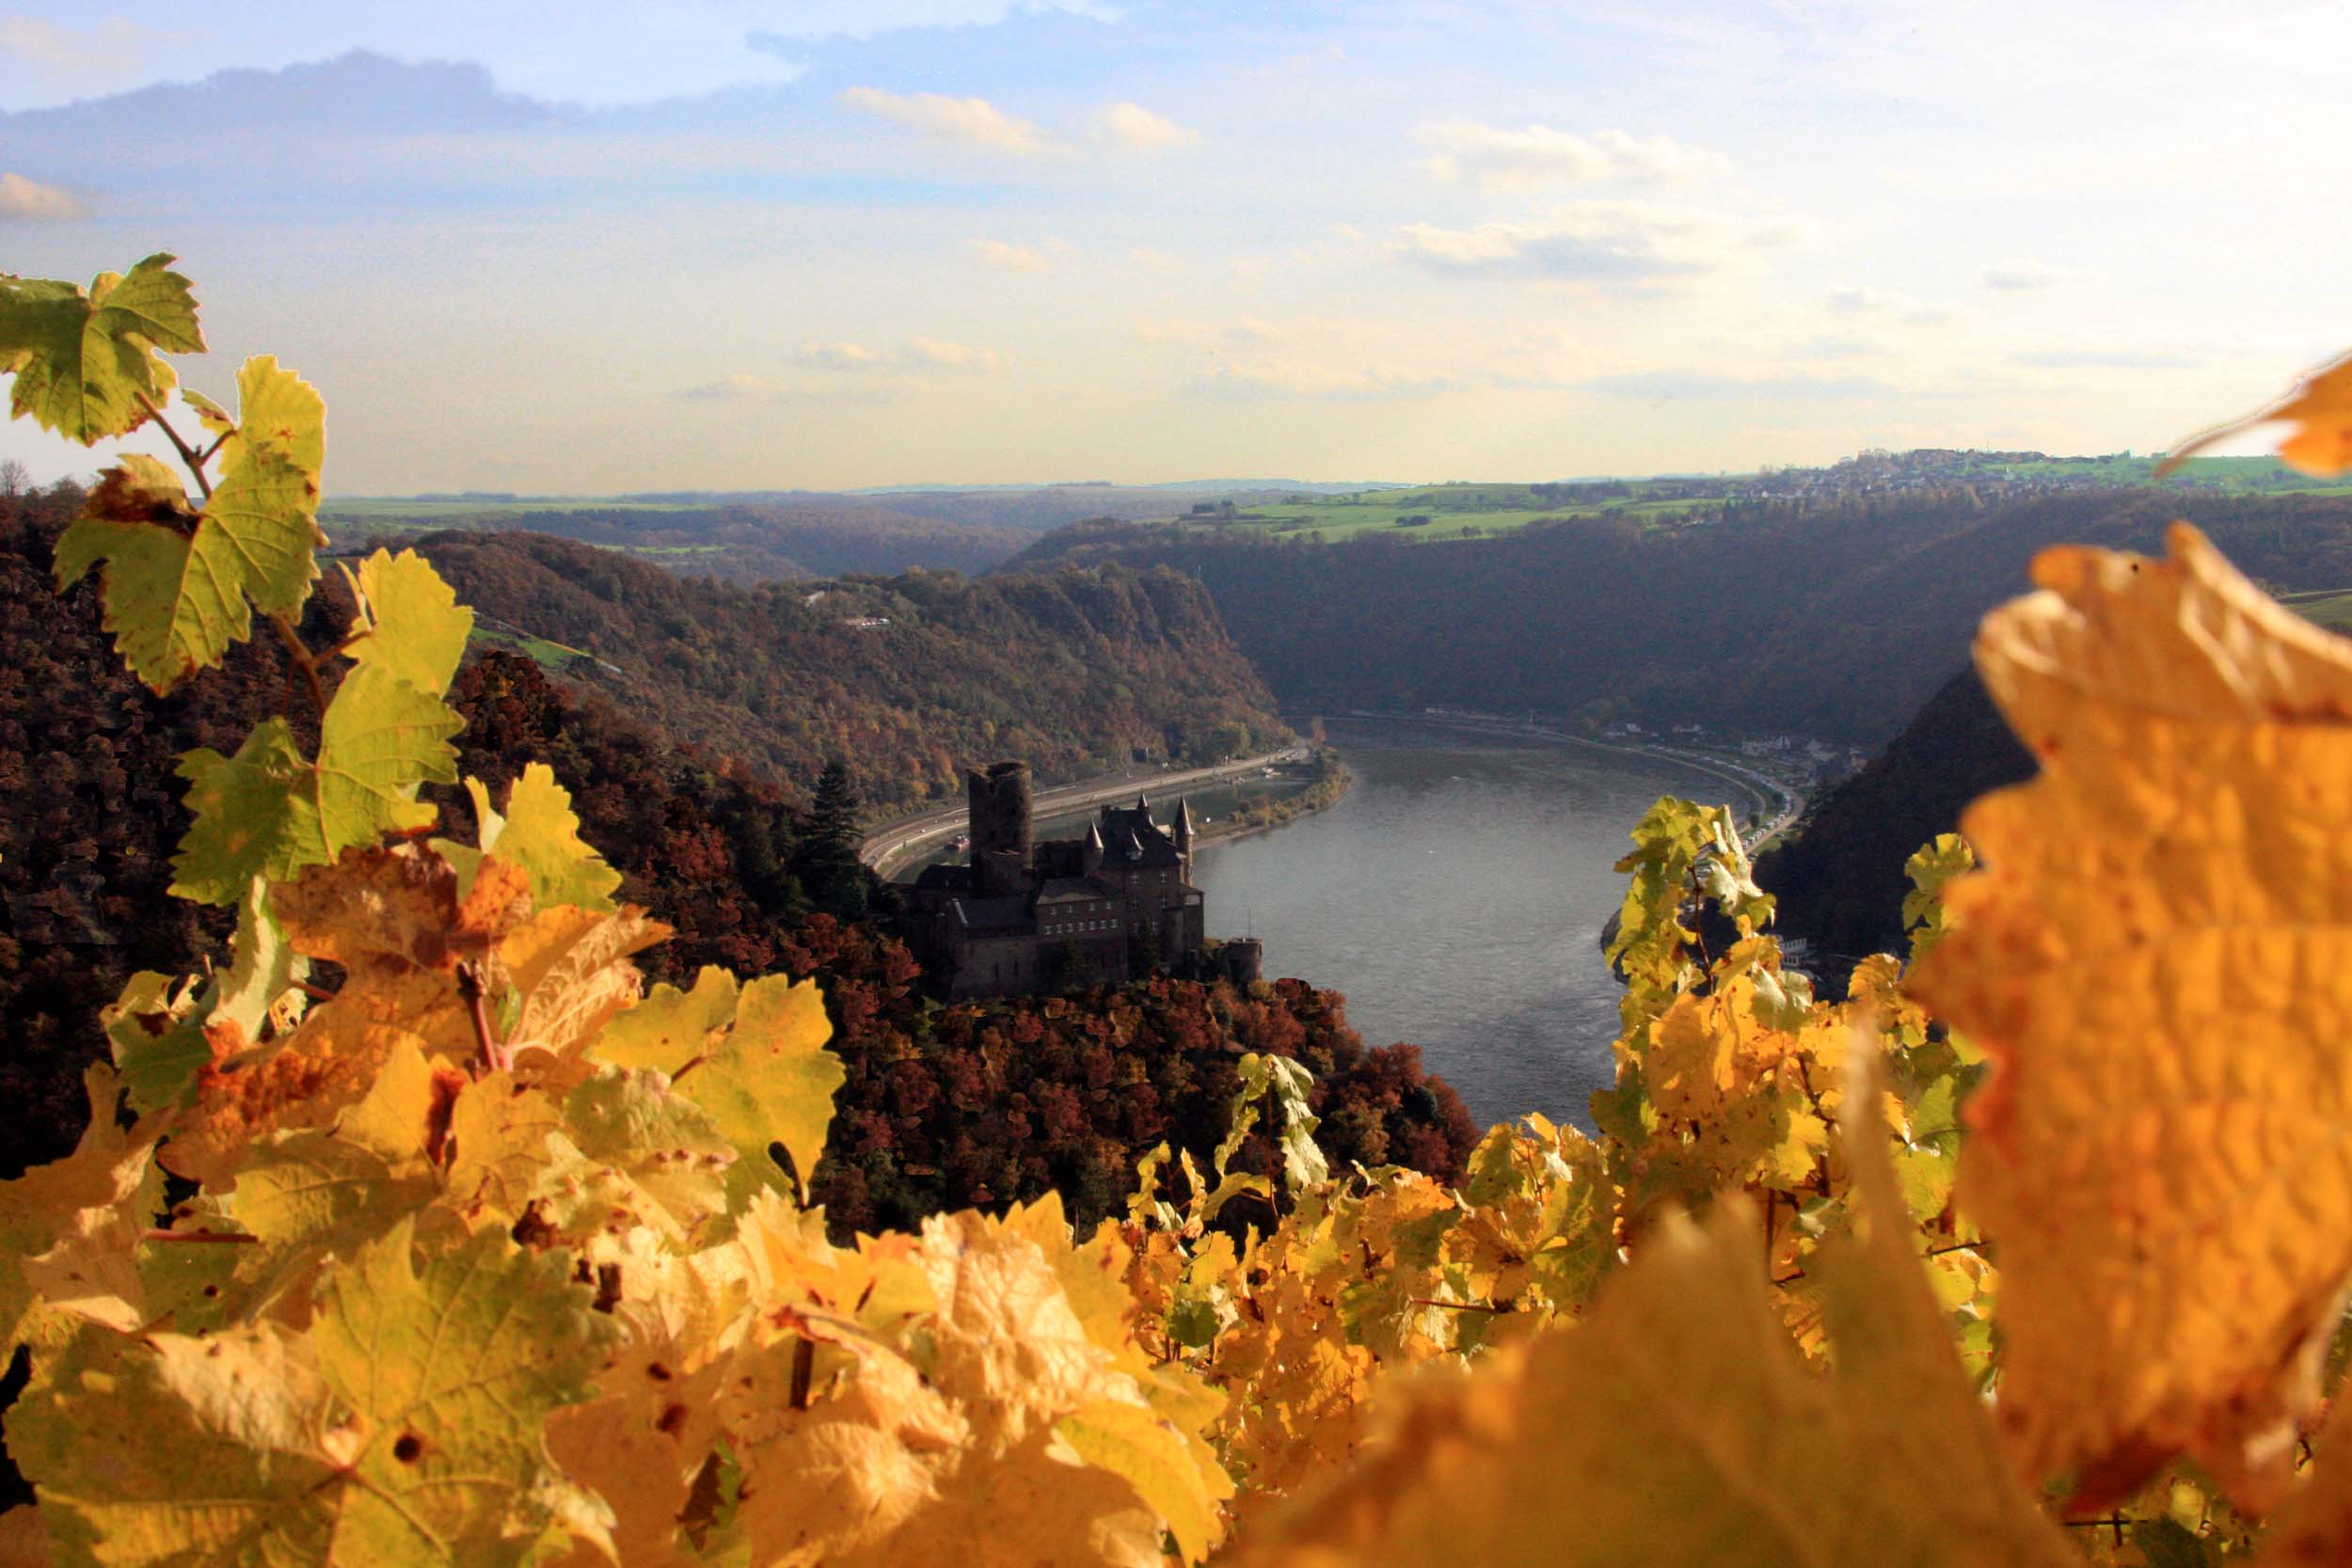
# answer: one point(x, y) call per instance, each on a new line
point(86, 362)
point(176, 583)
point(268, 811)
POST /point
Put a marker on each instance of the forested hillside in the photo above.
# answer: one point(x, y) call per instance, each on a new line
point(1839, 880)
point(909, 679)
point(1837, 620)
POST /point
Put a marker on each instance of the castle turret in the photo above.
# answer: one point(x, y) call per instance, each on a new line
point(1091, 858)
point(1002, 829)
point(1184, 827)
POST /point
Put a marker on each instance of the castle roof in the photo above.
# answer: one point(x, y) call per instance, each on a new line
point(1132, 839)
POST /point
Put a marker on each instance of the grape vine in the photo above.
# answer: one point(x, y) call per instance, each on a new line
point(414, 1231)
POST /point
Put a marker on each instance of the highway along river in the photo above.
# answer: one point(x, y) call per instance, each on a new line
point(1455, 897)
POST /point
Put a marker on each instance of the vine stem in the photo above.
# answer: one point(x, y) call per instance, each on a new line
point(223, 1238)
point(305, 660)
point(187, 454)
point(494, 1055)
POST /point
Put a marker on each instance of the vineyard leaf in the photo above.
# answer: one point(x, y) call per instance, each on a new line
point(382, 737)
point(1150, 1455)
point(1933, 865)
point(500, 1132)
point(2184, 846)
point(83, 361)
point(638, 1445)
point(261, 964)
point(671, 1027)
point(277, 413)
point(158, 1040)
point(2322, 406)
point(68, 1228)
point(266, 812)
point(571, 974)
point(950, 1453)
point(403, 1426)
point(540, 833)
point(770, 1079)
point(175, 583)
point(1677, 1424)
point(410, 624)
point(249, 817)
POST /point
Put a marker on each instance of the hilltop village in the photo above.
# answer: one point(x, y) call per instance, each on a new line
point(1026, 915)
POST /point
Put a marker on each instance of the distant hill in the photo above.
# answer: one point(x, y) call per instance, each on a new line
point(910, 678)
point(1839, 880)
point(743, 542)
point(1834, 618)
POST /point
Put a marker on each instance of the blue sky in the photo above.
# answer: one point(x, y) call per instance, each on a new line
point(592, 247)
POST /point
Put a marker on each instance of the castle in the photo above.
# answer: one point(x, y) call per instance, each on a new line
point(1024, 916)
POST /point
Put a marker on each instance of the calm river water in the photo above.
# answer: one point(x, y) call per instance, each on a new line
point(1455, 897)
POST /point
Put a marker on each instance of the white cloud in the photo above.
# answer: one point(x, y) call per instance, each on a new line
point(740, 386)
point(1014, 257)
point(916, 354)
point(2020, 273)
point(1500, 158)
point(1892, 304)
point(1138, 130)
point(1596, 242)
point(114, 50)
point(939, 352)
point(970, 121)
point(27, 200)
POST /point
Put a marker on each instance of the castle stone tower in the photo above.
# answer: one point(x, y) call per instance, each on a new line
point(1001, 828)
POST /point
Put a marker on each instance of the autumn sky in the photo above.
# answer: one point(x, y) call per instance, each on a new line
point(701, 243)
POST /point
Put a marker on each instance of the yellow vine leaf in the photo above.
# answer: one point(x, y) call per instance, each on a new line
point(1677, 1424)
point(2159, 964)
point(68, 1229)
point(539, 833)
point(671, 1027)
point(404, 1425)
point(2321, 405)
point(410, 624)
point(639, 1443)
point(949, 1450)
point(276, 412)
point(756, 1056)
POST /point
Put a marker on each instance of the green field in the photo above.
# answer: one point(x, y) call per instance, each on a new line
point(549, 656)
point(2326, 607)
point(1450, 510)
point(362, 508)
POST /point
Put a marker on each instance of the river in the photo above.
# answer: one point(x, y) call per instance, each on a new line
point(1455, 897)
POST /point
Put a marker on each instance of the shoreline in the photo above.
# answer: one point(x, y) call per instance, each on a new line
point(1771, 795)
point(1328, 790)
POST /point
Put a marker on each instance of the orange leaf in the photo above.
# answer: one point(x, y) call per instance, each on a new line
point(2159, 963)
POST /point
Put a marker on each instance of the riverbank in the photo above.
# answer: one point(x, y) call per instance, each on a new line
point(1331, 780)
point(1777, 804)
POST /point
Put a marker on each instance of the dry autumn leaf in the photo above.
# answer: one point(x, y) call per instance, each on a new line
point(2159, 962)
point(2322, 406)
